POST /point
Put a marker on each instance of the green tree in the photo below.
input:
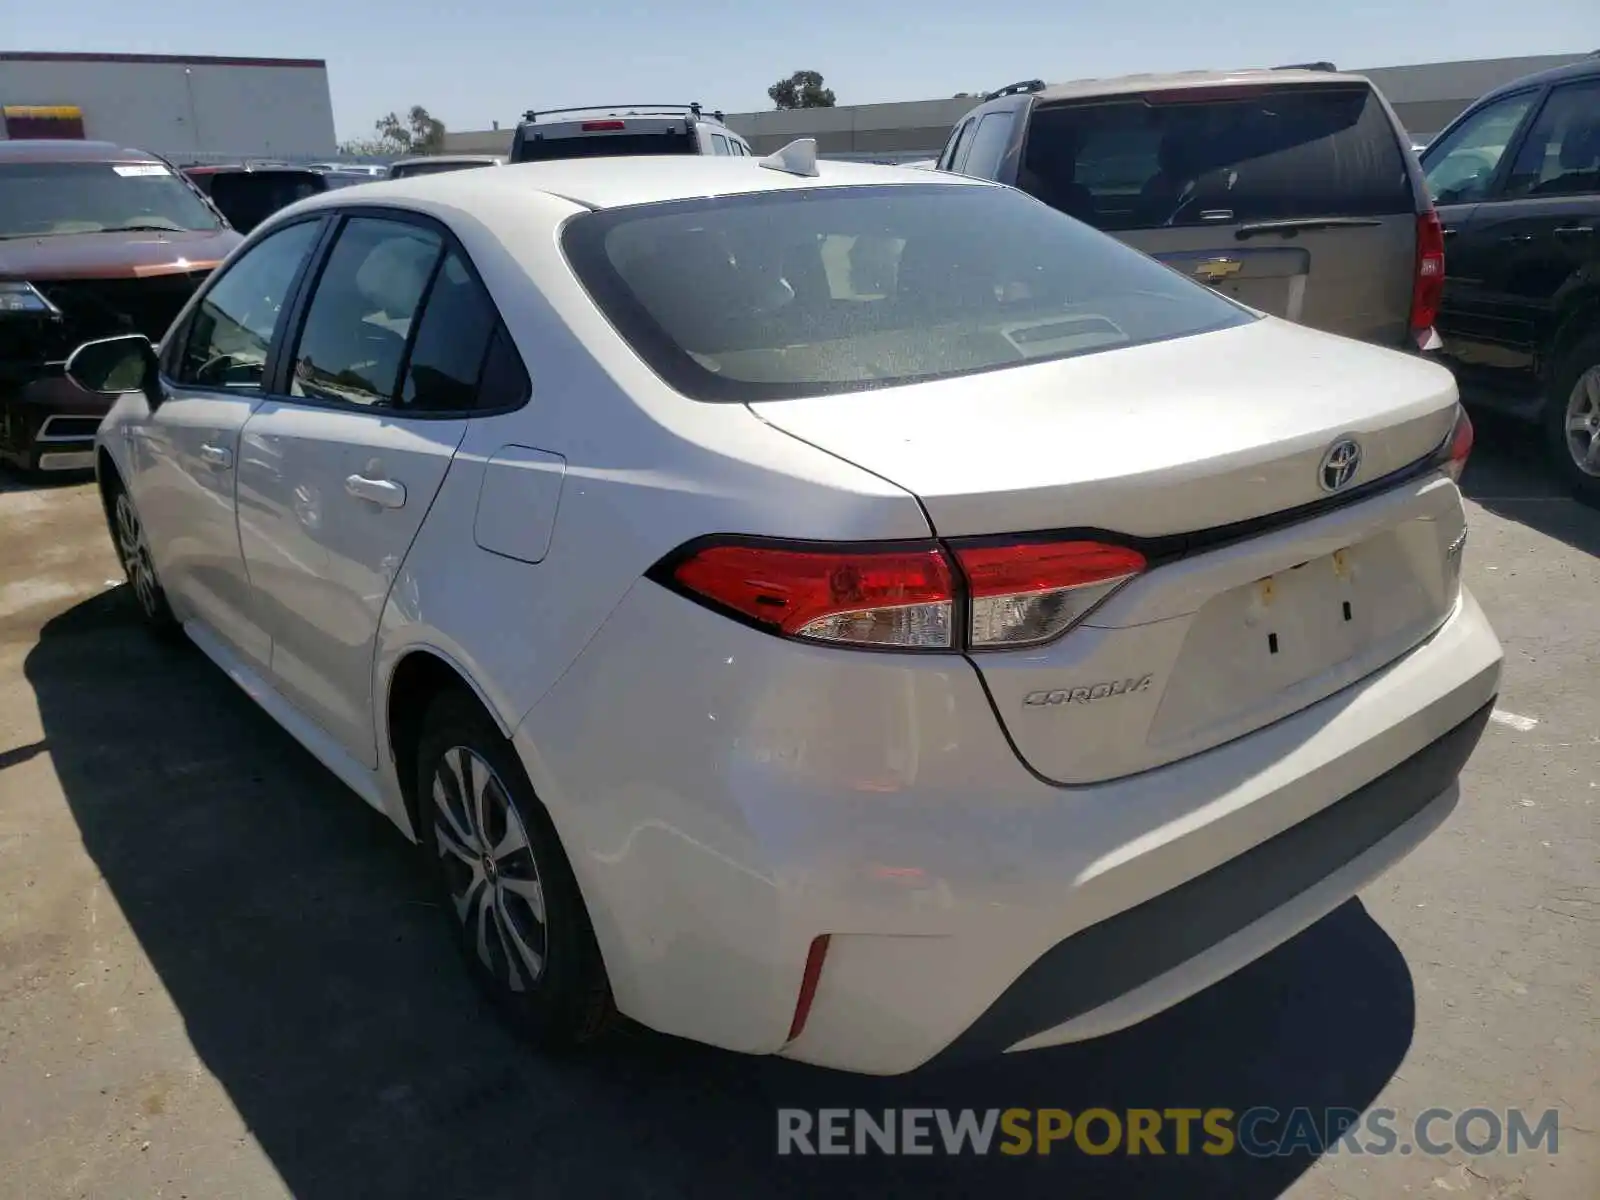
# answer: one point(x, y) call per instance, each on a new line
point(803, 89)
point(418, 132)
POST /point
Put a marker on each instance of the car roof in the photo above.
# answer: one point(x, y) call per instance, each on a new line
point(642, 179)
point(1122, 85)
point(70, 150)
point(1584, 68)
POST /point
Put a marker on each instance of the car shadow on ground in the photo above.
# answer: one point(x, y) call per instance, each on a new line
point(289, 926)
point(15, 481)
point(1509, 475)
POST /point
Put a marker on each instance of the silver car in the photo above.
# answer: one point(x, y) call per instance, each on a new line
point(1293, 190)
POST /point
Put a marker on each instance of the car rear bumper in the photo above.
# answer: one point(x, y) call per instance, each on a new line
point(742, 796)
point(49, 424)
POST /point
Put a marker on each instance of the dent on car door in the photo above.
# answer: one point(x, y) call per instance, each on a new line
point(339, 474)
point(183, 455)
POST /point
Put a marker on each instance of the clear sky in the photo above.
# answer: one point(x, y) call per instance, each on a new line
point(470, 62)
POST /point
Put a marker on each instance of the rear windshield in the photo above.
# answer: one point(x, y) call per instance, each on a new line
point(602, 145)
point(247, 198)
point(50, 199)
point(811, 291)
point(1257, 154)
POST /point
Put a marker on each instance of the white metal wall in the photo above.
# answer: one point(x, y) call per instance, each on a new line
point(185, 108)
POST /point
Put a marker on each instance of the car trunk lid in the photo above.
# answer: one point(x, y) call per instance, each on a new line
point(1210, 454)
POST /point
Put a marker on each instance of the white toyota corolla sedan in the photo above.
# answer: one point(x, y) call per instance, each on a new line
point(817, 609)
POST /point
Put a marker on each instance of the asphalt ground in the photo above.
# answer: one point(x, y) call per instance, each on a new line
point(222, 976)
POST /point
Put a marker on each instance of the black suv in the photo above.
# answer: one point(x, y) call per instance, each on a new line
point(1293, 189)
point(1516, 179)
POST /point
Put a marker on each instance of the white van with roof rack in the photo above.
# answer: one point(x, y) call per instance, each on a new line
point(605, 131)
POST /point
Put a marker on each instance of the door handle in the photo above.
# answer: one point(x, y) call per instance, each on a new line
point(1574, 231)
point(1450, 231)
point(1517, 239)
point(216, 456)
point(386, 493)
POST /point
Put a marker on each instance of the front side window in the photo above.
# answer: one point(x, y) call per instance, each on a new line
point(230, 333)
point(952, 152)
point(1561, 156)
point(1460, 166)
point(813, 291)
point(720, 144)
point(353, 342)
point(56, 199)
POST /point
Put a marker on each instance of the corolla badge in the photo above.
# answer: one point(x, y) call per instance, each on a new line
point(1052, 697)
point(1339, 465)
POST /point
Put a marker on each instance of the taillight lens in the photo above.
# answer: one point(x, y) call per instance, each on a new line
point(906, 597)
point(1428, 288)
point(901, 598)
point(1030, 592)
point(1459, 447)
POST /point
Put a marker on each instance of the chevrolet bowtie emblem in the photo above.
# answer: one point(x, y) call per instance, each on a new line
point(1214, 270)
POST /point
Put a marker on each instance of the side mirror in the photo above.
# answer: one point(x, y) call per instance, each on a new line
point(115, 366)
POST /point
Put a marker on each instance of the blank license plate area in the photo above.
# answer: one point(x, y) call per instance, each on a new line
point(1265, 649)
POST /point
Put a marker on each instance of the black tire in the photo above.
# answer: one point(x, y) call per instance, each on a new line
point(133, 552)
point(1581, 364)
point(566, 1002)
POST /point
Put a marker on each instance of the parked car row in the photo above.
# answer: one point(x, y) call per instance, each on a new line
point(1298, 192)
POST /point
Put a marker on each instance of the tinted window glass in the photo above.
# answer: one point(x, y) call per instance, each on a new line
point(230, 332)
point(957, 143)
point(989, 142)
point(1259, 154)
point(604, 145)
point(407, 170)
point(504, 383)
point(452, 336)
point(1561, 155)
point(55, 199)
point(804, 292)
point(1460, 166)
point(247, 198)
point(354, 337)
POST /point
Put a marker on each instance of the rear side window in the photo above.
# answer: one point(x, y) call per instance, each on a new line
point(989, 142)
point(805, 292)
point(1185, 158)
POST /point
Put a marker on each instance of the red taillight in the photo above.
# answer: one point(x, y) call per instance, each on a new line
point(906, 597)
point(1428, 288)
point(866, 597)
point(600, 126)
point(1030, 592)
point(1459, 447)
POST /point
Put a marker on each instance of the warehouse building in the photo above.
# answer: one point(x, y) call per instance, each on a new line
point(1426, 97)
point(186, 107)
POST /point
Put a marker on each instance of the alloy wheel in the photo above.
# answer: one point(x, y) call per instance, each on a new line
point(134, 552)
point(1583, 422)
point(489, 869)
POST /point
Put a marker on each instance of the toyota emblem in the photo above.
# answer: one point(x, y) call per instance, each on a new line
point(1339, 465)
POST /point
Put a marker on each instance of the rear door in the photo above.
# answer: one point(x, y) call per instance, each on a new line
point(1297, 200)
point(337, 475)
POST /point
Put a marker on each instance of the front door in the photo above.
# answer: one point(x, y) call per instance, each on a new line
point(185, 454)
point(338, 475)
